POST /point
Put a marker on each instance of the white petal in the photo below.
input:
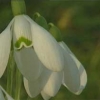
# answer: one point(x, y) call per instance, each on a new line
point(83, 75)
point(45, 96)
point(46, 47)
point(28, 63)
point(33, 88)
point(5, 44)
point(75, 77)
point(7, 95)
point(22, 32)
point(53, 84)
point(71, 73)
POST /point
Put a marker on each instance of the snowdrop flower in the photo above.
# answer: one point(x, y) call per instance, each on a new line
point(34, 48)
point(44, 63)
point(8, 97)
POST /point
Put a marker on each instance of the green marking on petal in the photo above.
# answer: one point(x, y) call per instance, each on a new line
point(22, 40)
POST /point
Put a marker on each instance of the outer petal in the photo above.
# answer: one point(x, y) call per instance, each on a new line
point(83, 75)
point(75, 77)
point(46, 47)
point(22, 32)
point(5, 44)
point(45, 96)
point(28, 63)
point(7, 95)
point(33, 88)
point(54, 83)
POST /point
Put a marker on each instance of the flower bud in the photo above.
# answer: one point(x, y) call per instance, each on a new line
point(40, 20)
point(55, 32)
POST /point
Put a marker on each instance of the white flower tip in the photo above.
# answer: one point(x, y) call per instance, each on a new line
point(83, 81)
point(80, 91)
point(45, 96)
point(54, 83)
point(26, 85)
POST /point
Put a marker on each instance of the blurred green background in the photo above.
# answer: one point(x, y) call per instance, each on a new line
point(79, 22)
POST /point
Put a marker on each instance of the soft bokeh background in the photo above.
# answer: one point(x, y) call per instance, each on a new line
point(79, 22)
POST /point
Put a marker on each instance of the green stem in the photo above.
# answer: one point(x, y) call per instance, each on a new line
point(18, 7)
point(18, 85)
point(10, 73)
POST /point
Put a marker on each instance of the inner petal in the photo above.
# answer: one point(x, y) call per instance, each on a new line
point(21, 33)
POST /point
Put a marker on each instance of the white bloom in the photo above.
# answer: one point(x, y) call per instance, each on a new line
point(33, 45)
point(44, 63)
point(75, 77)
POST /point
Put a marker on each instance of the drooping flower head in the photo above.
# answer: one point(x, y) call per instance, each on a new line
point(41, 56)
point(37, 53)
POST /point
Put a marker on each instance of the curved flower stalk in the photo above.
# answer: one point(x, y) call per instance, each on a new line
point(8, 97)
